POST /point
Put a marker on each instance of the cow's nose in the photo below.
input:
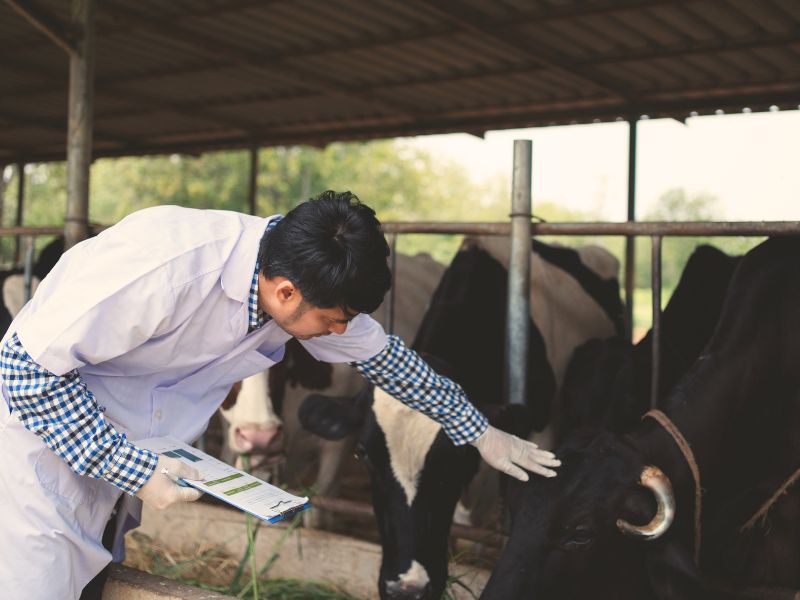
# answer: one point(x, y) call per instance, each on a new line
point(249, 439)
point(397, 590)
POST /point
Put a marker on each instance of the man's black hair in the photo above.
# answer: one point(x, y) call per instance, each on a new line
point(332, 248)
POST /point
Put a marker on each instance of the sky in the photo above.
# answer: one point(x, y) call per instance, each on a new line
point(750, 162)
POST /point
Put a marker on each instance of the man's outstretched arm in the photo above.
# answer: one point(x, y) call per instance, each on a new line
point(404, 375)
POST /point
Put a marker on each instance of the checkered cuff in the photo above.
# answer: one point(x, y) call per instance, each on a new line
point(64, 414)
point(402, 373)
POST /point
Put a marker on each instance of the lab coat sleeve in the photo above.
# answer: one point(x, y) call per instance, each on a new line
point(63, 413)
point(106, 296)
point(363, 338)
point(404, 375)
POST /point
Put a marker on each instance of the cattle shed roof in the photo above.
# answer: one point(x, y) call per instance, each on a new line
point(196, 75)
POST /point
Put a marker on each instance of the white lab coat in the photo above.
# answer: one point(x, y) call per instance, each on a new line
point(153, 313)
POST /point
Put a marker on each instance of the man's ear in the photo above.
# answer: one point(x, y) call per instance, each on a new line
point(285, 290)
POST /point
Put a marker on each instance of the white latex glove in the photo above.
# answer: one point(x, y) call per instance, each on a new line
point(161, 491)
point(507, 453)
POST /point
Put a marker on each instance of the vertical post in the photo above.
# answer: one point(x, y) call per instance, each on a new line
point(389, 325)
point(27, 274)
point(630, 241)
point(253, 189)
point(656, 339)
point(519, 275)
point(81, 123)
point(20, 206)
point(3, 187)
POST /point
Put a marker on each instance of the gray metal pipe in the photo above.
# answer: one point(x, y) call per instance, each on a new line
point(648, 228)
point(519, 276)
point(630, 241)
point(656, 339)
point(27, 277)
point(392, 300)
point(81, 124)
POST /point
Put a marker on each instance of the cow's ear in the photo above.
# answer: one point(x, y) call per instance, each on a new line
point(331, 418)
point(673, 573)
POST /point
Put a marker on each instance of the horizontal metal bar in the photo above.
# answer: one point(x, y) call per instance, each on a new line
point(360, 509)
point(9, 231)
point(649, 228)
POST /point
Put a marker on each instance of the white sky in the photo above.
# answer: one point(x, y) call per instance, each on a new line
point(751, 162)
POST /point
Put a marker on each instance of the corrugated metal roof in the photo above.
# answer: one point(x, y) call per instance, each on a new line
point(193, 75)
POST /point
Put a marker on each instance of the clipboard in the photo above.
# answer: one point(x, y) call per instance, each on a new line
point(238, 488)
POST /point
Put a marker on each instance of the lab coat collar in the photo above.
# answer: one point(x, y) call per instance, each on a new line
point(237, 274)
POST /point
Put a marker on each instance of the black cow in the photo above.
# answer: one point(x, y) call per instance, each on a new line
point(12, 281)
point(417, 473)
point(608, 381)
point(596, 530)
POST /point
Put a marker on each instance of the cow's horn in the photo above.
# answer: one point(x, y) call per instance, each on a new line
point(654, 479)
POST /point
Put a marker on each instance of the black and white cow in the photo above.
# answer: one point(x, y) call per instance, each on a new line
point(13, 281)
point(417, 474)
point(624, 518)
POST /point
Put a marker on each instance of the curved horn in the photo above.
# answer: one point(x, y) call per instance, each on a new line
point(654, 479)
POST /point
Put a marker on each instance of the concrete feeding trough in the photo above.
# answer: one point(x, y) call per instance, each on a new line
point(307, 554)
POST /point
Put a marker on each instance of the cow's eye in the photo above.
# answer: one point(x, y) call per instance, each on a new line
point(360, 454)
point(580, 536)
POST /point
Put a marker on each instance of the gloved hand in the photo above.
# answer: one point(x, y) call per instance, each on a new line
point(507, 453)
point(161, 491)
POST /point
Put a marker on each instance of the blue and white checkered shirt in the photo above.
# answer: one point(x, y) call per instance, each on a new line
point(404, 375)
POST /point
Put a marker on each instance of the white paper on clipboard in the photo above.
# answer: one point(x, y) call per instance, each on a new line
point(237, 488)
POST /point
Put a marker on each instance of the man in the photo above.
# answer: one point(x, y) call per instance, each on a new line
point(140, 332)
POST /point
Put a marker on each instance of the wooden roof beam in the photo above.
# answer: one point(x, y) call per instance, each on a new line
point(46, 24)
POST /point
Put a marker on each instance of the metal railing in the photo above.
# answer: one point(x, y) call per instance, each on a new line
point(655, 230)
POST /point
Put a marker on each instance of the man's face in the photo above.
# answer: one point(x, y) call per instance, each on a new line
point(309, 322)
point(279, 298)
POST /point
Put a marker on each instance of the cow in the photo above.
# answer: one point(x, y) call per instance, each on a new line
point(700, 504)
point(13, 281)
point(608, 380)
point(251, 425)
point(417, 474)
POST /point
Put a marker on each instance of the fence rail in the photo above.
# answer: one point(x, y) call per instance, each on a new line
point(656, 230)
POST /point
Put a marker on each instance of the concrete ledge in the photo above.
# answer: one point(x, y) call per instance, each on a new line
point(307, 555)
point(125, 583)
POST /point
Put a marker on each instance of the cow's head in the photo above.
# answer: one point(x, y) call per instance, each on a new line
point(603, 526)
point(417, 476)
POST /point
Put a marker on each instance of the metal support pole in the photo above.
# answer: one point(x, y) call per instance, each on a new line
point(20, 206)
point(253, 190)
point(389, 325)
point(519, 276)
point(656, 339)
point(27, 274)
point(630, 242)
point(81, 122)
